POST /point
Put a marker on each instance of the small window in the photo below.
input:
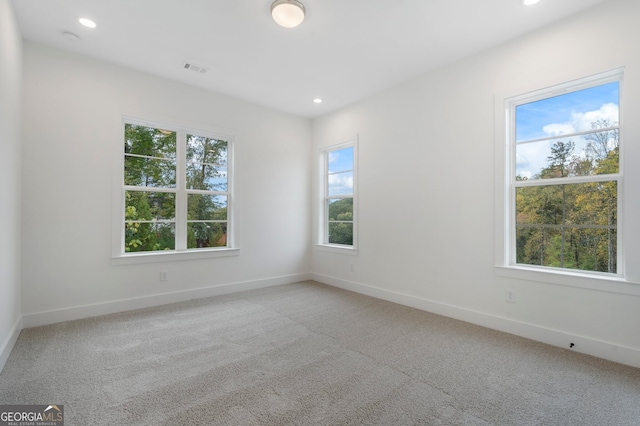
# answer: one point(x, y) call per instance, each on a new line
point(338, 225)
point(176, 190)
point(565, 176)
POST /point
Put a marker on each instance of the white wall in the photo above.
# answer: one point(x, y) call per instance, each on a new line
point(10, 89)
point(427, 189)
point(73, 108)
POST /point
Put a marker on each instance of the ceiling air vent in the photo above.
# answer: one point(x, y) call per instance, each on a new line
point(196, 68)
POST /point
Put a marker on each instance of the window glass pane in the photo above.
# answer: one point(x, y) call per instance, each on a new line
point(568, 226)
point(341, 233)
point(201, 149)
point(150, 142)
point(569, 113)
point(591, 249)
point(586, 249)
point(340, 160)
point(340, 183)
point(158, 209)
point(142, 205)
point(340, 209)
point(149, 236)
point(539, 205)
point(591, 154)
point(206, 234)
point(150, 172)
point(340, 221)
point(593, 203)
point(207, 163)
point(534, 244)
point(206, 207)
point(207, 177)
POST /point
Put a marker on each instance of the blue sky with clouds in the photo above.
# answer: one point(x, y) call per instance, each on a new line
point(340, 167)
point(560, 115)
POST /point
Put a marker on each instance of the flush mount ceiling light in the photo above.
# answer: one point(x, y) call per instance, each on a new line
point(529, 2)
point(287, 13)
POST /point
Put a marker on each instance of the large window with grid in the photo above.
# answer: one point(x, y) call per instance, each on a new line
point(565, 176)
point(176, 189)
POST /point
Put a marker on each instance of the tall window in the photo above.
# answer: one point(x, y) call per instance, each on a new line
point(176, 190)
point(565, 176)
point(339, 178)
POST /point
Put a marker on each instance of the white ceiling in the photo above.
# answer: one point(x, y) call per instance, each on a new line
point(344, 51)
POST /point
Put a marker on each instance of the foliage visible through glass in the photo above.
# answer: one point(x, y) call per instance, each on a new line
point(206, 163)
point(149, 157)
point(207, 220)
point(581, 154)
point(149, 221)
point(206, 234)
point(341, 221)
point(150, 163)
point(339, 204)
point(570, 225)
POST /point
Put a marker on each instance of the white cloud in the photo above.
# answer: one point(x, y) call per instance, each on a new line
point(607, 112)
point(531, 158)
point(341, 182)
point(581, 121)
point(558, 129)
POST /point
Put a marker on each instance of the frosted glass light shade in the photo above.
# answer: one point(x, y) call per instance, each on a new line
point(287, 13)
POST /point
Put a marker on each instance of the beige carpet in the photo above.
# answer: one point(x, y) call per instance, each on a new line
point(304, 354)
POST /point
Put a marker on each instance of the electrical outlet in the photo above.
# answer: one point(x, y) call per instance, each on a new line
point(164, 276)
point(510, 296)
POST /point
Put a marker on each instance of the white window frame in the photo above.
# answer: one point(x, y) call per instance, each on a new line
point(505, 253)
point(323, 228)
point(119, 256)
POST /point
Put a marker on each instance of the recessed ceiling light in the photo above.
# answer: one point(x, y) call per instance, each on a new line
point(317, 101)
point(529, 2)
point(87, 22)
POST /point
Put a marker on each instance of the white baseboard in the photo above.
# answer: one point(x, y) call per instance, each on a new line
point(78, 312)
point(10, 341)
point(582, 344)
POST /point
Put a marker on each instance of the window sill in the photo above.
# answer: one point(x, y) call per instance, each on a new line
point(170, 256)
point(611, 284)
point(331, 248)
